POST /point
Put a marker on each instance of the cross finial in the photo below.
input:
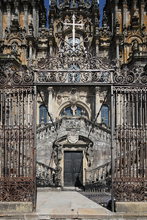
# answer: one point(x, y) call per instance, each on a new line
point(73, 24)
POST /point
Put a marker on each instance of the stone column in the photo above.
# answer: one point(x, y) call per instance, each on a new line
point(124, 13)
point(50, 100)
point(30, 50)
point(142, 12)
point(116, 10)
point(134, 4)
point(125, 52)
point(50, 48)
point(8, 15)
point(1, 23)
point(35, 19)
point(97, 47)
point(26, 17)
point(117, 49)
point(16, 4)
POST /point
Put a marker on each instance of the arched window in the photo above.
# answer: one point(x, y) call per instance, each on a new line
point(67, 111)
point(42, 114)
point(105, 115)
point(77, 42)
point(73, 111)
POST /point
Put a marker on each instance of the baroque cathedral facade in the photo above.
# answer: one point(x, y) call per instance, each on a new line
point(73, 66)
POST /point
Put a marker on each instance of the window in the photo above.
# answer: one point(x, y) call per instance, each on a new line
point(67, 111)
point(77, 42)
point(42, 114)
point(105, 115)
point(73, 111)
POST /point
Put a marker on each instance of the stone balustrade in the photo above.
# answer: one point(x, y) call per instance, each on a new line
point(81, 125)
point(44, 175)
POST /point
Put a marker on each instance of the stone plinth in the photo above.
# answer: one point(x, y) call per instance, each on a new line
point(15, 207)
point(131, 207)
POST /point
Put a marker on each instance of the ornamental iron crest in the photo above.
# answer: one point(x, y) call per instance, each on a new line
point(11, 75)
point(73, 4)
point(135, 76)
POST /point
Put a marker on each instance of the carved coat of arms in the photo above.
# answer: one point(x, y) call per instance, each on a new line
point(73, 137)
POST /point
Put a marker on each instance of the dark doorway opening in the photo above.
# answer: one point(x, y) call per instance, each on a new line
point(73, 168)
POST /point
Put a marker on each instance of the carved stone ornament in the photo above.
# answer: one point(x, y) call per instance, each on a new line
point(73, 137)
point(73, 124)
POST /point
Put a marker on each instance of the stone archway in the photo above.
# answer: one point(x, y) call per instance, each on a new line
point(72, 134)
point(74, 146)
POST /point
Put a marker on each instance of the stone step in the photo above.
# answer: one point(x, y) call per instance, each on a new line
point(85, 215)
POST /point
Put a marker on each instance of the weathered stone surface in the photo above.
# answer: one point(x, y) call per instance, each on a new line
point(131, 207)
point(15, 207)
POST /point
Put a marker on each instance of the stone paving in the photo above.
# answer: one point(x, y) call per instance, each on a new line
point(66, 202)
point(71, 205)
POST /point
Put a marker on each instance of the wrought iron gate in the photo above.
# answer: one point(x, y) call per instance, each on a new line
point(130, 134)
point(17, 136)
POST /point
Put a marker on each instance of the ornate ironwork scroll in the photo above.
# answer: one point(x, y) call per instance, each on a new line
point(125, 76)
point(131, 143)
point(17, 127)
point(76, 66)
point(13, 75)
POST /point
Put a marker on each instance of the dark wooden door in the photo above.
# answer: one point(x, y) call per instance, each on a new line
point(73, 168)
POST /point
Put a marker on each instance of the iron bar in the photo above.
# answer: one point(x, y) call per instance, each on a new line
point(112, 148)
point(47, 110)
point(104, 101)
point(34, 144)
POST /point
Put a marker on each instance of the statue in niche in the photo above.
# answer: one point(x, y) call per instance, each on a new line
point(81, 21)
point(135, 45)
point(31, 28)
point(15, 16)
point(88, 25)
point(60, 25)
point(14, 47)
point(67, 19)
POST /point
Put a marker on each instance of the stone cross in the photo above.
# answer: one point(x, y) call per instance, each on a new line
point(73, 29)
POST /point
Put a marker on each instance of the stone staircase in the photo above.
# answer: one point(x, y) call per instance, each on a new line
point(83, 125)
point(47, 134)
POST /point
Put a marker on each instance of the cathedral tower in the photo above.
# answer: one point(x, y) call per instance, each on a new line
point(128, 23)
point(20, 22)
